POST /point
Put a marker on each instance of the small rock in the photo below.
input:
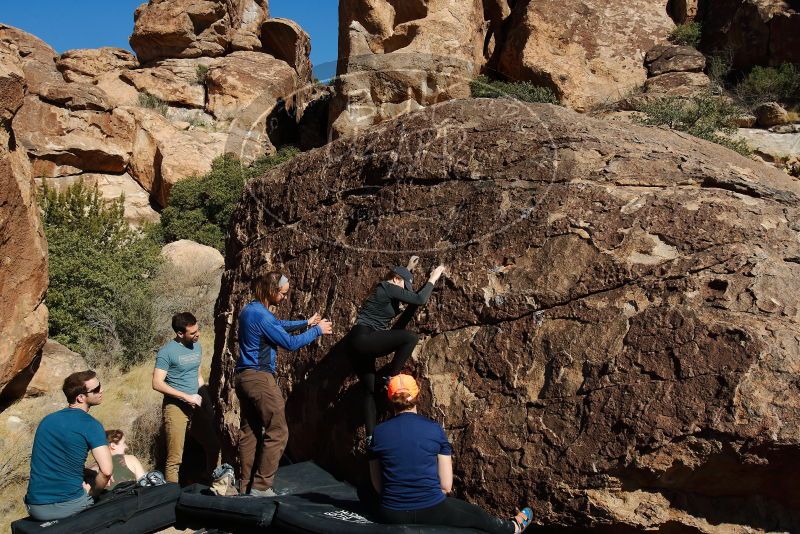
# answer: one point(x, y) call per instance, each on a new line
point(14, 423)
point(786, 129)
point(745, 121)
point(770, 114)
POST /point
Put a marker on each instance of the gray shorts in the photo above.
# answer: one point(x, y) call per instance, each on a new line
point(59, 510)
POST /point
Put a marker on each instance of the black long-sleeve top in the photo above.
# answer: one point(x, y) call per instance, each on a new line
point(383, 304)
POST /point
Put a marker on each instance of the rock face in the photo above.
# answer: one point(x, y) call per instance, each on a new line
point(616, 340)
point(189, 28)
point(88, 64)
point(588, 52)
point(756, 32)
point(23, 250)
point(662, 59)
point(397, 56)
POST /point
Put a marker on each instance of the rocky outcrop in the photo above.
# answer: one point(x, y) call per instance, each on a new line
point(588, 52)
point(616, 338)
point(284, 39)
point(753, 32)
point(23, 250)
point(662, 59)
point(36, 58)
point(177, 82)
point(395, 57)
point(87, 64)
point(189, 28)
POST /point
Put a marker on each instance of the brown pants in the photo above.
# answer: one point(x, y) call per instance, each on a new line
point(263, 423)
point(180, 419)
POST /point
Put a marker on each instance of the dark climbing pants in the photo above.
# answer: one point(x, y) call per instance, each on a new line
point(450, 512)
point(366, 345)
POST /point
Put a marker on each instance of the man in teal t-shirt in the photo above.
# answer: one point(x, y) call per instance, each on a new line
point(56, 488)
point(177, 377)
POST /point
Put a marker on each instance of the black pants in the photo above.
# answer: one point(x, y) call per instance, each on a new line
point(366, 345)
point(451, 512)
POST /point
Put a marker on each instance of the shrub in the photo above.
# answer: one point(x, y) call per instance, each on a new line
point(705, 116)
point(686, 34)
point(482, 86)
point(202, 74)
point(719, 68)
point(100, 271)
point(770, 84)
point(146, 100)
point(200, 208)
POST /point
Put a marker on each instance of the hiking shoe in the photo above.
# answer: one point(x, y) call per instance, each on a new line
point(262, 493)
point(523, 519)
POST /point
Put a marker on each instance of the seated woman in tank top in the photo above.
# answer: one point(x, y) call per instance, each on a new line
point(126, 467)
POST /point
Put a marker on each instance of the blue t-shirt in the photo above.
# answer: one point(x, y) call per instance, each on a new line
point(181, 364)
point(408, 446)
point(62, 441)
point(261, 333)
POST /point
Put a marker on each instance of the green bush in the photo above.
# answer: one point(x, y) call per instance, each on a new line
point(100, 271)
point(202, 74)
point(146, 100)
point(524, 91)
point(200, 208)
point(770, 84)
point(705, 116)
point(686, 34)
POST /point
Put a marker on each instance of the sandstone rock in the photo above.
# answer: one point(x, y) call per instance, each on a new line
point(589, 52)
point(395, 57)
point(23, 262)
point(57, 362)
point(772, 147)
point(137, 201)
point(678, 83)
point(75, 96)
point(87, 140)
point(619, 321)
point(87, 64)
point(12, 82)
point(683, 11)
point(190, 257)
point(190, 28)
point(786, 128)
point(119, 92)
point(674, 58)
point(770, 114)
point(163, 154)
point(37, 58)
point(285, 40)
point(175, 81)
point(754, 32)
point(243, 80)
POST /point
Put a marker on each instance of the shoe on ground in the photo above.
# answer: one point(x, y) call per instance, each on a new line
point(269, 492)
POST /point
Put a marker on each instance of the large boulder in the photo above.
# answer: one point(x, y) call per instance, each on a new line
point(191, 28)
point(37, 59)
point(57, 362)
point(752, 32)
point(588, 52)
point(285, 39)
point(397, 56)
point(88, 64)
point(23, 249)
point(59, 140)
point(615, 342)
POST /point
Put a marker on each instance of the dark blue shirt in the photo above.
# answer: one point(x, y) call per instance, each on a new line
point(261, 333)
point(408, 446)
point(62, 441)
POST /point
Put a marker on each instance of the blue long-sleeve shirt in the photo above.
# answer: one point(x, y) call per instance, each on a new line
point(261, 333)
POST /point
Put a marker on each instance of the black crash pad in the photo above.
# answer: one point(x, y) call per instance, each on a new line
point(142, 510)
point(310, 500)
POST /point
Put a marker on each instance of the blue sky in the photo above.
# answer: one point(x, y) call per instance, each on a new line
point(67, 24)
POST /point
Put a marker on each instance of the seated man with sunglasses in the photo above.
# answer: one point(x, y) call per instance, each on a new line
point(56, 488)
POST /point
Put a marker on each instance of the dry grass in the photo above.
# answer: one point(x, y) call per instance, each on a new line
point(129, 403)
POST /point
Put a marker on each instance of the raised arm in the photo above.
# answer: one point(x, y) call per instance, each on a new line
point(291, 326)
point(275, 333)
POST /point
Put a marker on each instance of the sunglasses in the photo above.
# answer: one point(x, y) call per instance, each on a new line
point(94, 390)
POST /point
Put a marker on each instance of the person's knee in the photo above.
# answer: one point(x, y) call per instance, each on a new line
point(410, 338)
